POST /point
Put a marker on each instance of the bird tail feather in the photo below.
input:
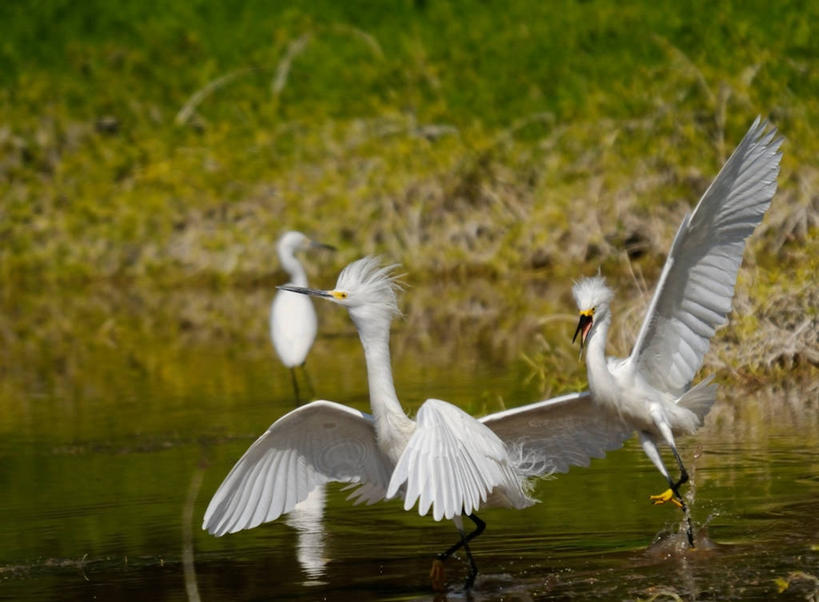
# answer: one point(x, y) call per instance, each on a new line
point(700, 398)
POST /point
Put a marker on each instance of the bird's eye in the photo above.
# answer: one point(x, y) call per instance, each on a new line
point(340, 294)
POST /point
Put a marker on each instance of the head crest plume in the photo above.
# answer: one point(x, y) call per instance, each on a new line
point(367, 282)
point(591, 292)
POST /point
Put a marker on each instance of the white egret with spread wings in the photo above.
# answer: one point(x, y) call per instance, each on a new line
point(445, 460)
point(651, 390)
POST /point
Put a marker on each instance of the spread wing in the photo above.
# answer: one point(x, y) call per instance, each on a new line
point(555, 434)
point(693, 296)
point(312, 445)
point(452, 462)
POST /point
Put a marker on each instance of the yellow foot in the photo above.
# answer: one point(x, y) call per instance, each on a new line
point(436, 573)
point(665, 496)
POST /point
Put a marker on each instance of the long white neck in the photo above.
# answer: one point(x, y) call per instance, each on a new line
point(293, 267)
point(392, 425)
point(601, 381)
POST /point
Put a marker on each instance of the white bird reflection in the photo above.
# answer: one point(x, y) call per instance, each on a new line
point(307, 517)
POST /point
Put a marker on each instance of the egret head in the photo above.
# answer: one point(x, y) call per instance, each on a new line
point(293, 241)
point(365, 287)
point(593, 298)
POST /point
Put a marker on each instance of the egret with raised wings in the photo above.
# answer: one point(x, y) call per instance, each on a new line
point(293, 321)
point(651, 390)
point(445, 460)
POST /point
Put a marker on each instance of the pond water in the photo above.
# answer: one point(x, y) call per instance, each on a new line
point(110, 451)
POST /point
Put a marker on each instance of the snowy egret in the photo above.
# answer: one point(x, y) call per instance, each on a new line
point(445, 460)
point(292, 317)
point(651, 390)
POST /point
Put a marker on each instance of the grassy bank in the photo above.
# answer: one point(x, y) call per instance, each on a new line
point(485, 147)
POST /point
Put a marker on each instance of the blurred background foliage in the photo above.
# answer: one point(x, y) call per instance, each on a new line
point(151, 153)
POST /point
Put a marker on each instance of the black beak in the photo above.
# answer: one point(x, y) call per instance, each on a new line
point(321, 245)
point(583, 327)
point(304, 291)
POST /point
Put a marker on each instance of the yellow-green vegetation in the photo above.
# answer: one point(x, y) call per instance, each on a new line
point(496, 151)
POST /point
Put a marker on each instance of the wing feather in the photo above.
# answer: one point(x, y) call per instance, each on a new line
point(696, 287)
point(270, 465)
point(452, 463)
point(555, 434)
point(312, 445)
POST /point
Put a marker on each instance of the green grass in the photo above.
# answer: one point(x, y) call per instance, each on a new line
point(159, 144)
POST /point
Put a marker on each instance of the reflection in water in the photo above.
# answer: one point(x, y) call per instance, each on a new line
point(307, 517)
point(188, 563)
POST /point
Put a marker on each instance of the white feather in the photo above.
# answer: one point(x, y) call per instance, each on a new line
point(317, 443)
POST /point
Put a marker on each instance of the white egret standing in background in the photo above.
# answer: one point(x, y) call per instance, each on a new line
point(293, 328)
point(651, 390)
point(445, 460)
point(292, 317)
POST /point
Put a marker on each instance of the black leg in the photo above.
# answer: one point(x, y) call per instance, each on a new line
point(310, 388)
point(295, 384)
point(437, 573)
point(683, 472)
point(473, 568)
point(465, 539)
point(675, 487)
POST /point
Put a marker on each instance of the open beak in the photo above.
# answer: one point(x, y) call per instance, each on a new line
point(583, 327)
point(305, 291)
